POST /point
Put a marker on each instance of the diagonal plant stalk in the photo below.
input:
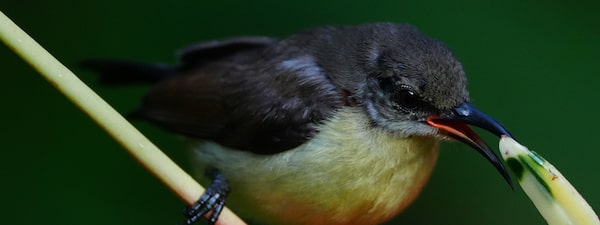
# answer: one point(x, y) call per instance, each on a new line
point(551, 193)
point(144, 151)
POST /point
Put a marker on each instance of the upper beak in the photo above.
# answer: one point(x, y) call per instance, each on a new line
point(455, 124)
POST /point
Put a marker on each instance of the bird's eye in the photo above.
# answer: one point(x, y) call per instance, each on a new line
point(407, 98)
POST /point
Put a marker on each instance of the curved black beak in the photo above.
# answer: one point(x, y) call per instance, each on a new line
point(455, 125)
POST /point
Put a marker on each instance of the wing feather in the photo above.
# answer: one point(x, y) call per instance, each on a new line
point(254, 99)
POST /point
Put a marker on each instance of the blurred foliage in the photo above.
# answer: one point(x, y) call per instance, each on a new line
point(533, 65)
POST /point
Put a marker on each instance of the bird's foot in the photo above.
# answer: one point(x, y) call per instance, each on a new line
point(213, 200)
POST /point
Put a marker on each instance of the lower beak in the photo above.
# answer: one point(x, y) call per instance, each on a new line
point(455, 125)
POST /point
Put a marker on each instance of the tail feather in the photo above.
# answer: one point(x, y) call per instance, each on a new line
point(113, 72)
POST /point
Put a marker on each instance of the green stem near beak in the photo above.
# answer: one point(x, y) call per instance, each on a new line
point(551, 193)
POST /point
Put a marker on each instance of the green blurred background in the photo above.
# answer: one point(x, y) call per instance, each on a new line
point(533, 65)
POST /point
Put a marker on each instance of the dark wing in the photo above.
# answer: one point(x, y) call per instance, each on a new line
point(124, 72)
point(211, 51)
point(259, 98)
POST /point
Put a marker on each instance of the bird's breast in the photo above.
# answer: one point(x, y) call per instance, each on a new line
point(349, 173)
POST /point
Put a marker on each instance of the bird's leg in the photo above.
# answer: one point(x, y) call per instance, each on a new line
point(212, 200)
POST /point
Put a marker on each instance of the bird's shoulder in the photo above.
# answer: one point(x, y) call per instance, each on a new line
point(256, 96)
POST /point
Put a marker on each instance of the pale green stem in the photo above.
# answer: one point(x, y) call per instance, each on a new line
point(105, 116)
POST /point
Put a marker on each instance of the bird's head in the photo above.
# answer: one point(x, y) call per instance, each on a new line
point(416, 87)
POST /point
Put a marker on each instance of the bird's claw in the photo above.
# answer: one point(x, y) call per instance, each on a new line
point(213, 200)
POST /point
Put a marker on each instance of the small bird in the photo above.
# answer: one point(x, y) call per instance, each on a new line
point(335, 125)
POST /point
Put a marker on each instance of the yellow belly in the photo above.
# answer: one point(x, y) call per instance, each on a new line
point(350, 173)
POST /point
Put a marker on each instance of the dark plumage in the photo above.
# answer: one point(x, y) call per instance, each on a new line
point(237, 91)
point(336, 125)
